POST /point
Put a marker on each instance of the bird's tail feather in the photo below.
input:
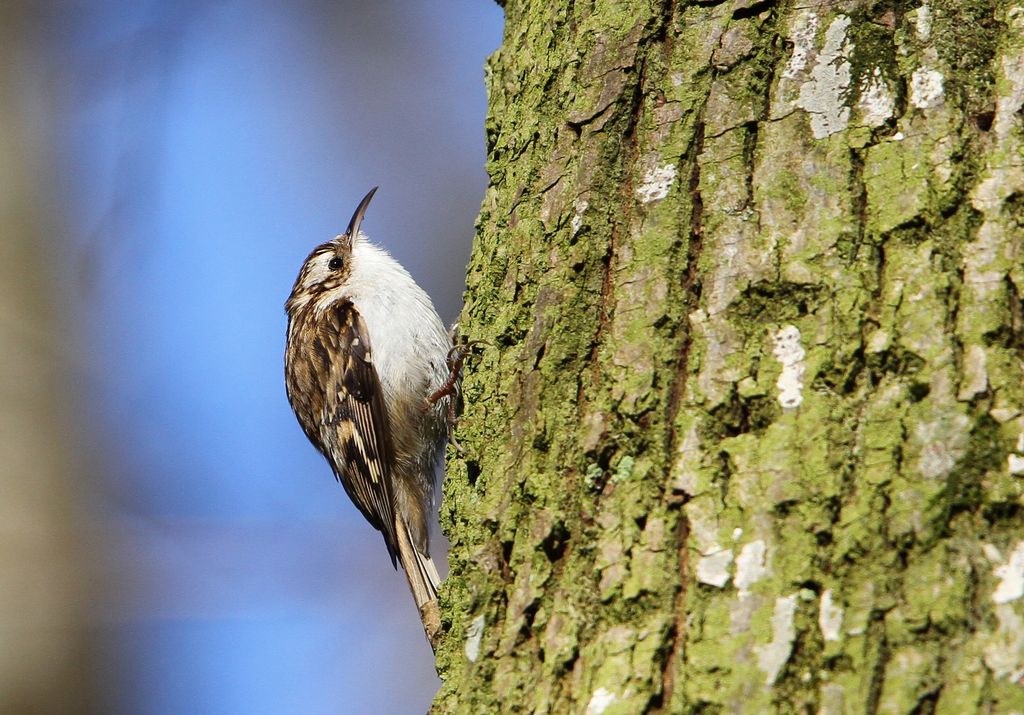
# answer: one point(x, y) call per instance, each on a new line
point(423, 580)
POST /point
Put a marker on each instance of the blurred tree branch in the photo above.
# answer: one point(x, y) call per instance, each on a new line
point(43, 664)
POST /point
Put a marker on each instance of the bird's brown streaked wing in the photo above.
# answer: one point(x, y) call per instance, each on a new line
point(355, 420)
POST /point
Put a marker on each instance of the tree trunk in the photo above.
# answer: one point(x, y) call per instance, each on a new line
point(744, 429)
point(44, 645)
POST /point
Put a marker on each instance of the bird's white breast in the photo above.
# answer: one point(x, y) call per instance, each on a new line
point(409, 343)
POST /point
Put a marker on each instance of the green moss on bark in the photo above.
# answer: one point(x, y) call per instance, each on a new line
point(742, 429)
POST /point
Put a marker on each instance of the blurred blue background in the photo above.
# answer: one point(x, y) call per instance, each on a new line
point(185, 156)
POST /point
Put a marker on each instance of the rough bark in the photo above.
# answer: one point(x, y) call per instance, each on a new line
point(744, 432)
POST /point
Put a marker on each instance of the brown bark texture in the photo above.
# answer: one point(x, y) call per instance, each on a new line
point(744, 430)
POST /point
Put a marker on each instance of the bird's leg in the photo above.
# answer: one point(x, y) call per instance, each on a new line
point(448, 389)
point(456, 357)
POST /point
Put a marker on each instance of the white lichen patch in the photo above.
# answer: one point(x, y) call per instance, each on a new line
point(802, 37)
point(1009, 103)
point(713, 564)
point(771, 657)
point(879, 340)
point(579, 206)
point(830, 617)
point(1004, 650)
point(1004, 653)
point(823, 96)
point(790, 353)
point(1011, 576)
point(703, 515)
point(685, 470)
point(656, 183)
point(713, 568)
point(927, 87)
point(1015, 461)
point(599, 701)
point(1003, 413)
point(877, 103)
point(943, 442)
point(989, 195)
point(923, 22)
point(474, 633)
point(750, 565)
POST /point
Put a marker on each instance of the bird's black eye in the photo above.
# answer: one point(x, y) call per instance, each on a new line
point(335, 263)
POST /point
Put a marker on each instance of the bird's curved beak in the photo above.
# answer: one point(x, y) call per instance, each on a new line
point(357, 217)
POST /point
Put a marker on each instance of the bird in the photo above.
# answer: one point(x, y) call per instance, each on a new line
point(370, 376)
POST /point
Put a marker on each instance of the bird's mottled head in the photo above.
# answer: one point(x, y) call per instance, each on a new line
point(328, 265)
